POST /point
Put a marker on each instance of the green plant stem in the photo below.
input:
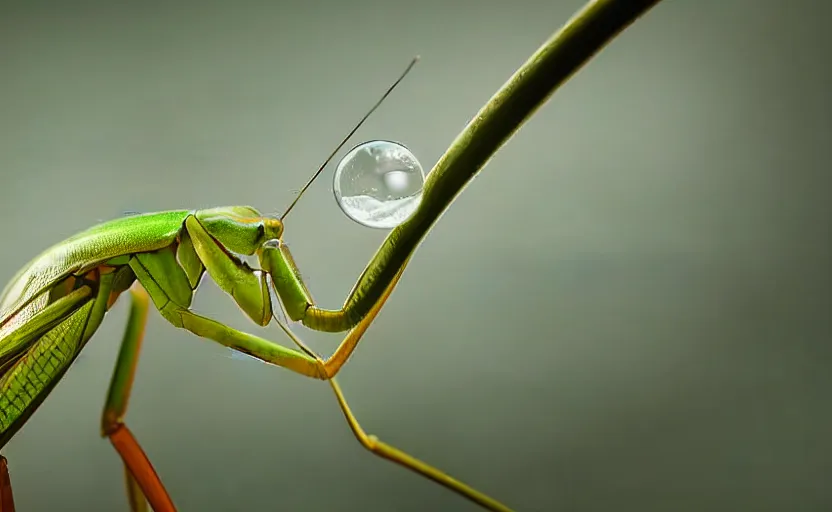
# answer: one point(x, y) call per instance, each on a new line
point(589, 30)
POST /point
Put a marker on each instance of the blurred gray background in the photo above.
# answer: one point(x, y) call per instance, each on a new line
point(627, 310)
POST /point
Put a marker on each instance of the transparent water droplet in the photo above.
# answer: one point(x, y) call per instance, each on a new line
point(378, 184)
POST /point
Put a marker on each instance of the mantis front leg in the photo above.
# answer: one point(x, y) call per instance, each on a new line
point(248, 288)
point(245, 285)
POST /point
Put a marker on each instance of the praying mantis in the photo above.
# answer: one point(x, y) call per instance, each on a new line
point(55, 304)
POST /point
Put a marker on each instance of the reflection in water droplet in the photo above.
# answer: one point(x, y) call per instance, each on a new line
point(369, 211)
point(396, 181)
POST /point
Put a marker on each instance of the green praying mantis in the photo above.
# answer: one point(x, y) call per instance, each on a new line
point(55, 304)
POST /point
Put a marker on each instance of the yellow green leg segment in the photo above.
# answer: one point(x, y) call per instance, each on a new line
point(170, 285)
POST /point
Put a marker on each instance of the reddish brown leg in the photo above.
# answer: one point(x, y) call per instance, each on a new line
point(6, 498)
point(142, 481)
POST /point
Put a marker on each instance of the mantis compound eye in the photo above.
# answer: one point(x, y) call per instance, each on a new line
point(378, 184)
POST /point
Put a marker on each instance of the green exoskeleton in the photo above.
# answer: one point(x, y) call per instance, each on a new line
point(55, 304)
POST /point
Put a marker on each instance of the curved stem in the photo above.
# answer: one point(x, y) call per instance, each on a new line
point(589, 30)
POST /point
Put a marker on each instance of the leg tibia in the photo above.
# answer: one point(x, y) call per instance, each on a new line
point(140, 473)
point(252, 345)
point(393, 454)
point(143, 484)
point(121, 383)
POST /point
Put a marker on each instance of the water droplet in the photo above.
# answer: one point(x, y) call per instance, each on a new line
point(379, 184)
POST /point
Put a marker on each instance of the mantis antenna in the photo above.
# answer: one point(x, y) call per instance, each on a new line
point(349, 135)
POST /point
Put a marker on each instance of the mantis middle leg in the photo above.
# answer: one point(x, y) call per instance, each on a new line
point(246, 286)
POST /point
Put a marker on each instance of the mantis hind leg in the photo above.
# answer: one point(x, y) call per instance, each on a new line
point(168, 285)
point(143, 484)
point(373, 444)
point(311, 365)
point(393, 454)
point(6, 498)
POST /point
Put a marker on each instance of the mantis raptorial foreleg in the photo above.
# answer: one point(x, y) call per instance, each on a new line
point(143, 484)
point(171, 291)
